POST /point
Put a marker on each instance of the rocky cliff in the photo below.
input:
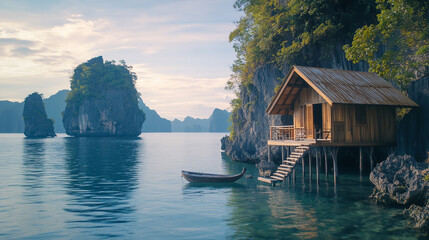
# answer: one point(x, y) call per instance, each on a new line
point(112, 114)
point(401, 180)
point(36, 121)
point(153, 122)
point(11, 117)
point(218, 121)
point(190, 124)
point(413, 129)
point(251, 126)
point(55, 105)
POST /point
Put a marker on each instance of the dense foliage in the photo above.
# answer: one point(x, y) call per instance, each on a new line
point(397, 46)
point(300, 32)
point(94, 76)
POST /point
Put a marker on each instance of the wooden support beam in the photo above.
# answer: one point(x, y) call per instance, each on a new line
point(269, 154)
point(293, 176)
point(360, 162)
point(326, 163)
point(303, 169)
point(283, 153)
point(334, 153)
point(287, 151)
point(309, 164)
point(317, 165)
point(336, 161)
point(371, 158)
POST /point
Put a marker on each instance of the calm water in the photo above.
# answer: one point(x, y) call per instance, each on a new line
point(98, 188)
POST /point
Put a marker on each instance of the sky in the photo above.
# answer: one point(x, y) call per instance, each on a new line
point(180, 50)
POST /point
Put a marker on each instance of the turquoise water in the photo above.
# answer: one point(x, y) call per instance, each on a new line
point(131, 188)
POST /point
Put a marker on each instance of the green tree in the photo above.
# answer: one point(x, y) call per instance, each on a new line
point(301, 32)
point(397, 46)
point(95, 75)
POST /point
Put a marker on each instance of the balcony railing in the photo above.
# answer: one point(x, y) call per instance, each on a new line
point(323, 135)
point(290, 132)
point(287, 133)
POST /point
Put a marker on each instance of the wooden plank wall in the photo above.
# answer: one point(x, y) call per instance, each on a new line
point(326, 116)
point(380, 127)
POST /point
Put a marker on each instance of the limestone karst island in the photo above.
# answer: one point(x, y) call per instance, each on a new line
point(214, 119)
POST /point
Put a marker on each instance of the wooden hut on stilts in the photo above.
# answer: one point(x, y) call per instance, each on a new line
point(332, 109)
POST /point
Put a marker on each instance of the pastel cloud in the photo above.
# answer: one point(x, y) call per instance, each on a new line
point(179, 49)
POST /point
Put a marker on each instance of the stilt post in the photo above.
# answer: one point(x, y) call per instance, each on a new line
point(317, 165)
point(293, 176)
point(370, 157)
point(303, 168)
point(283, 153)
point(360, 162)
point(269, 153)
point(334, 153)
point(287, 151)
point(326, 163)
point(309, 163)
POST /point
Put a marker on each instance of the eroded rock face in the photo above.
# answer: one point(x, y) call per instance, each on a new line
point(413, 130)
point(401, 180)
point(420, 215)
point(112, 114)
point(253, 124)
point(37, 124)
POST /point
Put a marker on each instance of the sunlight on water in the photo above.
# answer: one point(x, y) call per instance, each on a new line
point(131, 188)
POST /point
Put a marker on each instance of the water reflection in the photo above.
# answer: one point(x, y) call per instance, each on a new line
point(263, 212)
point(103, 173)
point(33, 164)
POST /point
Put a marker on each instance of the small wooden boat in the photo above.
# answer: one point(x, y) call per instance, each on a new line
point(195, 177)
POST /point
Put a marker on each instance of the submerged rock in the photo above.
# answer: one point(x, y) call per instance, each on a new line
point(401, 180)
point(36, 122)
point(266, 168)
point(420, 215)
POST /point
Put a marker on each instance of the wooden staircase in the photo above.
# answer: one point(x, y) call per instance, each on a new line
point(287, 165)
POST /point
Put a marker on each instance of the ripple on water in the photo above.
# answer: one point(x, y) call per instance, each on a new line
point(101, 188)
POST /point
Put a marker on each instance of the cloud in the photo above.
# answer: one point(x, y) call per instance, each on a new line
point(175, 96)
point(179, 49)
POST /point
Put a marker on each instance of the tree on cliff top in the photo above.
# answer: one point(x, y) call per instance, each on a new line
point(397, 47)
point(94, 76)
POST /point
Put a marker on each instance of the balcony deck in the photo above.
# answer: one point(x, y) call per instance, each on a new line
point(296, 136)
point(291, 142)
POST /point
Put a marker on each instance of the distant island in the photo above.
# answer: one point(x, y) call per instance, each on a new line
point(11, 118)
point(36, 122)
point(103, 100)
point(217, 122)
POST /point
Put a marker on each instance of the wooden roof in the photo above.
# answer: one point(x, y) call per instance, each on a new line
point(337, 86)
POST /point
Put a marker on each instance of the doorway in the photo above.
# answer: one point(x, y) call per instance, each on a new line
point(317, 120)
